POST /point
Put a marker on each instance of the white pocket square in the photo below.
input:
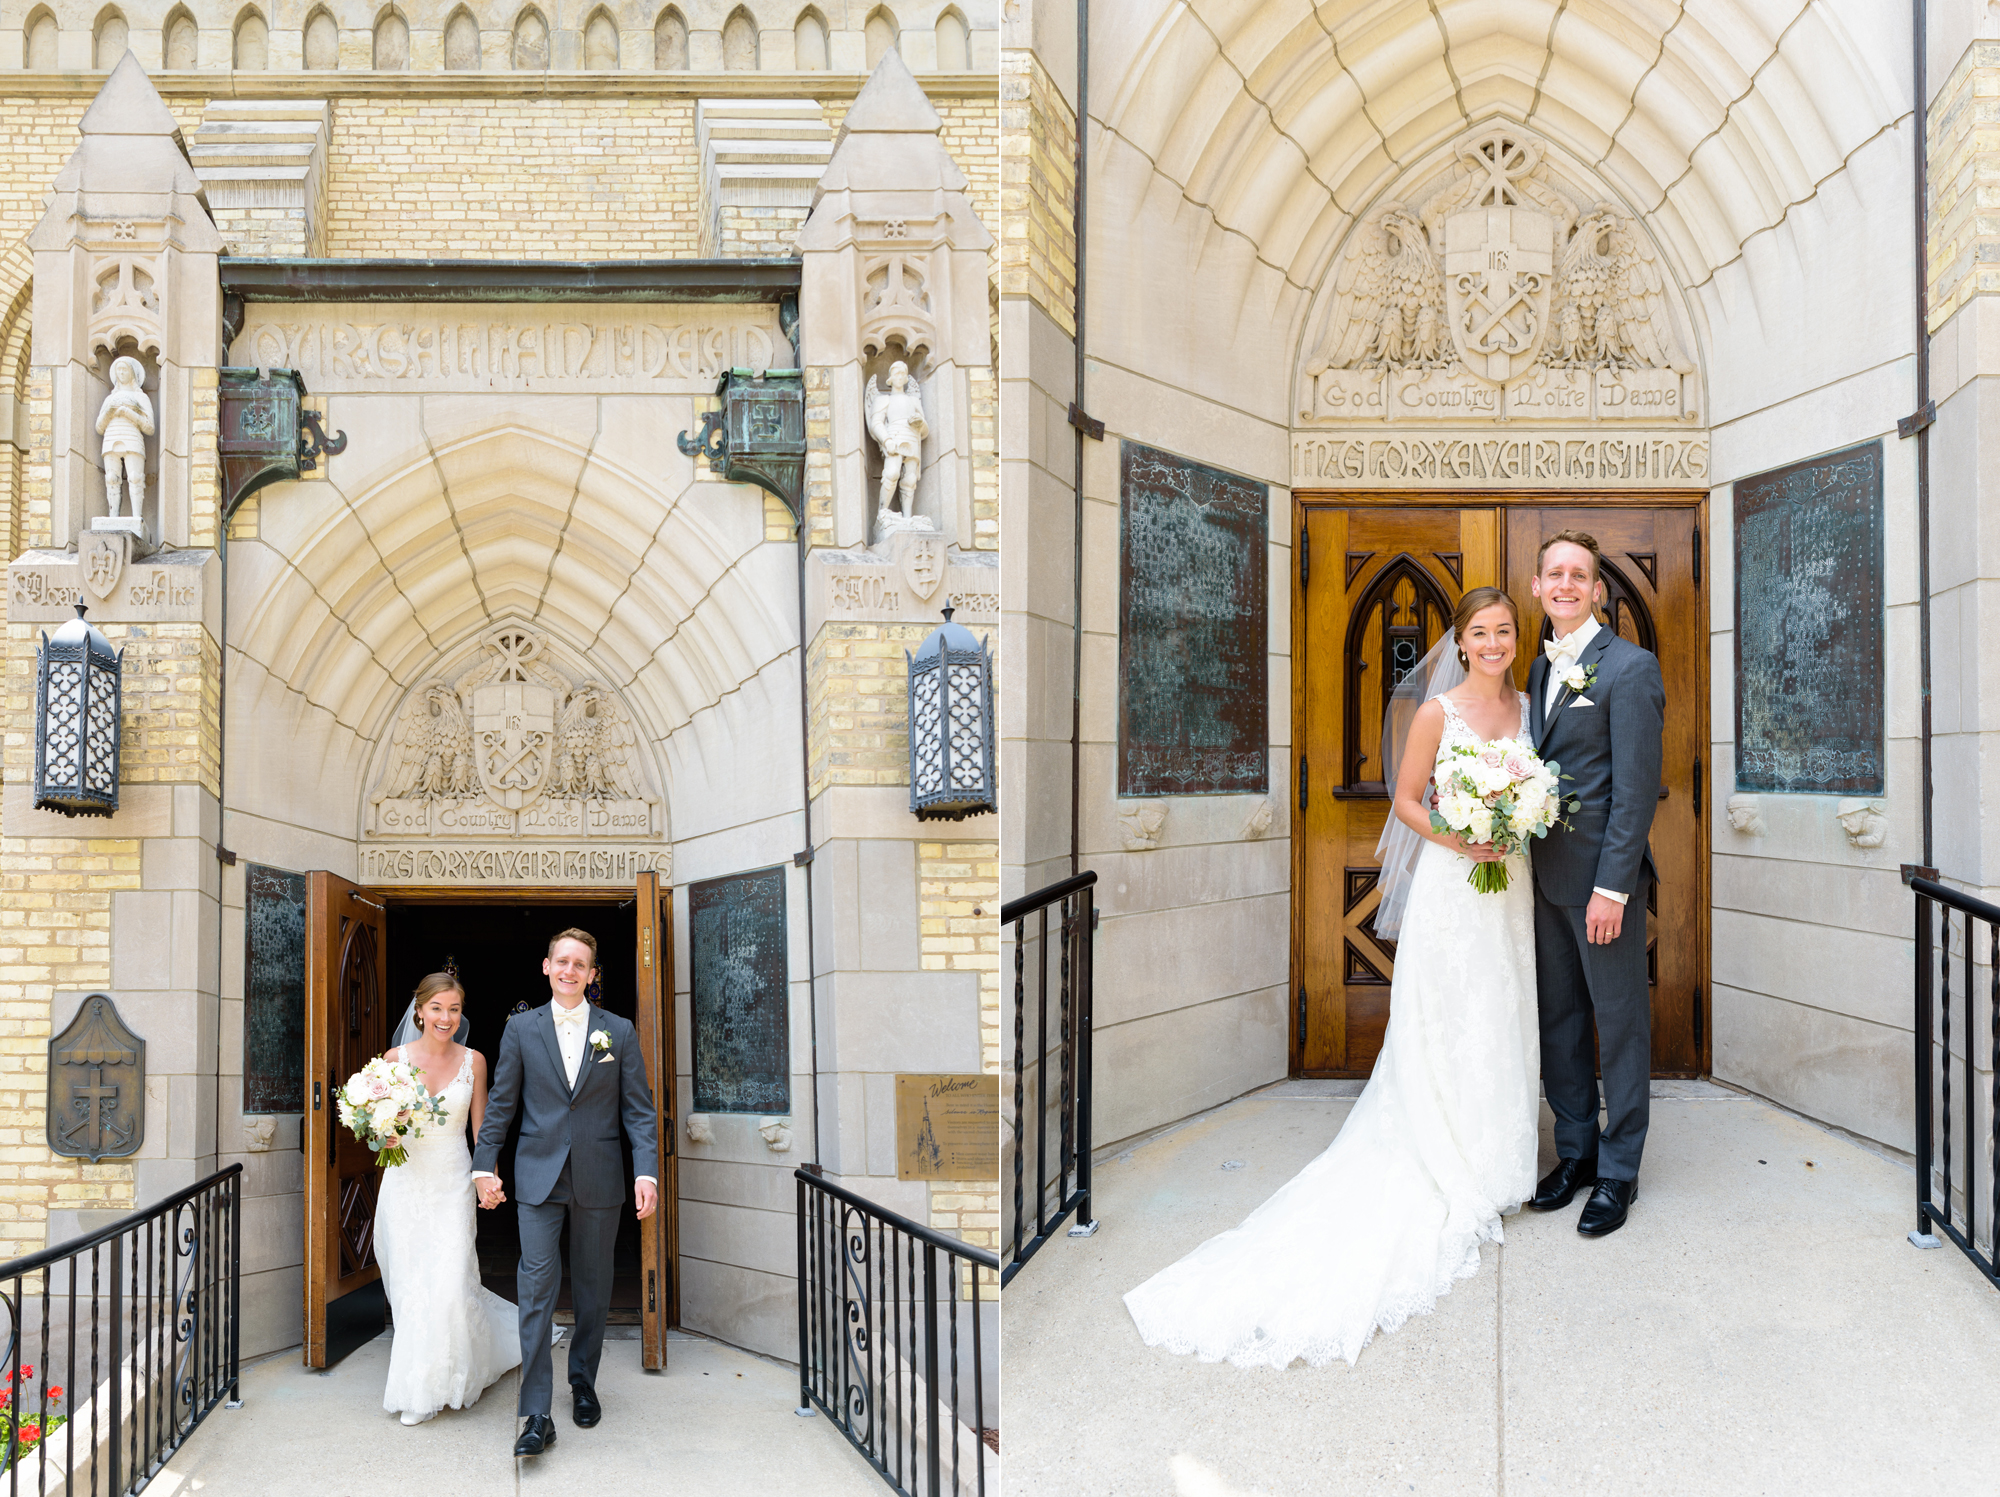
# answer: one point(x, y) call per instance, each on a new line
point(1581, 702)
point(605, 1060)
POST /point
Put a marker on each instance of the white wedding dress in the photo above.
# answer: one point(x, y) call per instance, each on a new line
point(1440, 1144)
point(453, 1337)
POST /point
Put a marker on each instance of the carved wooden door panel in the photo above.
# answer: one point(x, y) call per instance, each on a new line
point(659, 1237)
point(346, 1025)
point(1373, 591)
point(1656, 599)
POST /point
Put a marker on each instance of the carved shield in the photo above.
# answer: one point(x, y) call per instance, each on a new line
point(924, 565)
point(1498, 267)
point(102, 553)
point(513, 733)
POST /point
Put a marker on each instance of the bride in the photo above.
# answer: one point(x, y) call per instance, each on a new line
point(453, 1338)
point(1442, 1141)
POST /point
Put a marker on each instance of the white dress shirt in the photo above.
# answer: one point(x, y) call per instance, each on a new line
point(572, 1037)
point(1579, 638)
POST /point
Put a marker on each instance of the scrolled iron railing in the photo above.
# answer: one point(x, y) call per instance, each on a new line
point(122, 1340)
point(1956, 930)
point(1061, 1185)
point(882, 1300)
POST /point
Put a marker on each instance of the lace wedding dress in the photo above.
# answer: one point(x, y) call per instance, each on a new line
point(453, 1337)
point(1441, 1142)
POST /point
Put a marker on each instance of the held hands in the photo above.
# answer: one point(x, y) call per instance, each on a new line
point(490, 1193)
point(645, 1195)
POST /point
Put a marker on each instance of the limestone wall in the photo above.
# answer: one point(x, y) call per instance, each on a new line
point(1217, 217)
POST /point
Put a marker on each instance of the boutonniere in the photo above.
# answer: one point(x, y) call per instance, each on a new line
point(600, 1041)
point(1579, 678)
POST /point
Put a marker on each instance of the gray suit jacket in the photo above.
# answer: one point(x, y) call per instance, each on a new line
point(559, 1122)
point(1609, 752)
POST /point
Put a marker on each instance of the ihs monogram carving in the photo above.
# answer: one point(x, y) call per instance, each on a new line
point(1502, 293)
point(514, 747)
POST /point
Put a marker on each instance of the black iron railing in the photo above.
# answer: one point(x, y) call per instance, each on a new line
point(119, 1343)
point(882, 1300)
point(1955, 930)
point(1062, 1182)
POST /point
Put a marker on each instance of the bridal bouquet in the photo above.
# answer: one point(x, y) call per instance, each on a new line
point(388, 1098)
point(1502, 792)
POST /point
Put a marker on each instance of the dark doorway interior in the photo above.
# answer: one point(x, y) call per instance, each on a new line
point(498, 951)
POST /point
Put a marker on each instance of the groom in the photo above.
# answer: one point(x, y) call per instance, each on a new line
point(1596, 707)
point(574, 1073)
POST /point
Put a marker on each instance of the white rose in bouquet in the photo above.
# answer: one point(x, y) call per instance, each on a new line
point(1501, 792)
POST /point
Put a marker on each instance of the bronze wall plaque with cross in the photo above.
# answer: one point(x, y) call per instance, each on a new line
point(97, 1085)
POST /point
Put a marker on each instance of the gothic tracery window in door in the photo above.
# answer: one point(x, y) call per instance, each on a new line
point(1400, 616)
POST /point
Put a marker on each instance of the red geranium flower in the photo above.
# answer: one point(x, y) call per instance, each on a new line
point(26, 1373)
point(55, 1390)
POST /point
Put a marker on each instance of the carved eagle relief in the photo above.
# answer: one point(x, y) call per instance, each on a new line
point(1607, 306)
point(594, 754)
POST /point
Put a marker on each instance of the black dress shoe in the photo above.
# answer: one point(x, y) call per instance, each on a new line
point(584, 1408)
point(538, 1436)
point(1560, 1185)
point(1604, 1212)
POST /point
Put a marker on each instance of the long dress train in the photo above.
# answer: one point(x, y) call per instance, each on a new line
point(1440, 1144)
point(453, 1337)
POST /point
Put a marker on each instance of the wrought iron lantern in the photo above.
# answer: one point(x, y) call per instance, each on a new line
point(951, 725)
point(77, 686)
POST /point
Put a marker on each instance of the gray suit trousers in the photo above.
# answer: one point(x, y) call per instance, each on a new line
point(1578, 980)
point(592, 1232)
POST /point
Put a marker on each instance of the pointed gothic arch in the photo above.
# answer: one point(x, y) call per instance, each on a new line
point(461, 42)
point(809, 41)
point(742, 43)
point(954, 41)
point(600, 41)
point(392, 41)
point(250, 41)
point(41, 41)
point(110, 38)
point(322, 41)
point(180, 40)
point(881, 34)
point(1404, 610)
point(670, 41)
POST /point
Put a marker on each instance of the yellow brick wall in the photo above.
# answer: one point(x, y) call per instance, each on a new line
point(985, 393)
point(500, 178)
point(1964, 251)
point(858, 697)
point(204, 463)
point(1038, 189)
point(55, 932)
point(958, 925)
point(819, 455)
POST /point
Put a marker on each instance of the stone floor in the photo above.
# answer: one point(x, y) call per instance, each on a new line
point(719, 1422)
point(1761, 1325)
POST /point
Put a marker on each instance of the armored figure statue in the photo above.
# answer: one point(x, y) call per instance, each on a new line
point(125, 421)
point(896, 422)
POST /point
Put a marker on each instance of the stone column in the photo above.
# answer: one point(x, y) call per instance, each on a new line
point(897, 269)
point(125, 264)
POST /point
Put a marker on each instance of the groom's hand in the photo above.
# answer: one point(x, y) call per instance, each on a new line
point(645, 1195)
point(490, 1193)
point(1603, 920)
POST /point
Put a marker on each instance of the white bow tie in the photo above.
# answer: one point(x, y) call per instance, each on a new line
point(1565, 650)
point(578, 1015)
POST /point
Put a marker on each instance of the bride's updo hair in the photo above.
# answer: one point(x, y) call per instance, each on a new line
point(1476, 600)
point(436, 983)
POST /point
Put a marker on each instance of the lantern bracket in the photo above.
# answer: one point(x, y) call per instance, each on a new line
point(759, 434)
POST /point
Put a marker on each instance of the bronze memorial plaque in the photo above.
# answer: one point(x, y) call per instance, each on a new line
point(97, 1085)
point(1193, 646)
point(1809, 623)
point(947, 1127)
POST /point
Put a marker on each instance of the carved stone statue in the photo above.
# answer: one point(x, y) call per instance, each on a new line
point(125, 420)
point(896, 422)
point(1864, 822)
point(1745, 815)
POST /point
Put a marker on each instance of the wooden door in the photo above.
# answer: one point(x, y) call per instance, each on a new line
point(1655, 599)
point(659, 1244)
point(1375, 589)
point(347, 1025)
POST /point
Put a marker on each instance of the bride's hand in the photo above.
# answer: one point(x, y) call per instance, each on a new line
point(1479, 852)
point(391, 1141)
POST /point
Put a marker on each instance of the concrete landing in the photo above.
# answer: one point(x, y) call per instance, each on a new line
point(1761, 1325)
point(719, 1421)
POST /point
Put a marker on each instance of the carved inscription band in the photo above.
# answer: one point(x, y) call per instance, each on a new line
point(348, 350)
point(1481, 459)
point(432, 863)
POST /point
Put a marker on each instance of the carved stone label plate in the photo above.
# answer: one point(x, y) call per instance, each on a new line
point(479, 348)
point(507, 863)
